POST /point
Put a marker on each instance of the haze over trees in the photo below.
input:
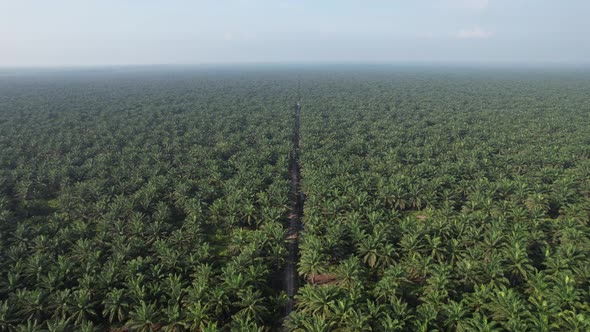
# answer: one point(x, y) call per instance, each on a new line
point(447, 199)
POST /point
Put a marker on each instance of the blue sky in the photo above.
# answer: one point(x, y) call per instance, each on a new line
point(115, 32)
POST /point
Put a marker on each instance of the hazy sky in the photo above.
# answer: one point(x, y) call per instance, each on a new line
point(104, 32)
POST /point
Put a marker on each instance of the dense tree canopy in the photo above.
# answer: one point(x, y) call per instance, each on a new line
point(143, 201)
point(446, 201)
point(435, 199)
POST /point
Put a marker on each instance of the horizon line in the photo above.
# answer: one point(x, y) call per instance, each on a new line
point(494, 63)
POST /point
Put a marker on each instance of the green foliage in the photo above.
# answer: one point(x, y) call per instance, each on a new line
point(123, 195)
point(449, 200)
point(464, 196)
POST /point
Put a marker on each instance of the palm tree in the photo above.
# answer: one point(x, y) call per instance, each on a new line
point(136, 287)
point(506, 307)
point(393, 283)
point(34, 266)
point(410, 243)
point(61, 325)
point(341, 309)
point(348, 272)
point(316, 323)
point(239, 238)
point(571, 320)
point(564, 293)
point(174, 318)
point(480, 322)
point(143, 318)
point(311, 264)
point(318, 300)
point(29, 326)
point(233, 278)
point(115, 305)
point(239, 324)
point(209, 327)
point(295, 321)
point(436, 247)
point(388, 323)
point(174, 288)
point(5, 314)
point(108, 275)
point(250, 215)
point(250, 304)
point(493, 270)
point(517, 263)
point(426, 314)
point(59, 303)
point(455, 314)
point(399, 309)
point(219, 301)
point(196, 316)
point(540, 318)
point(31, 304)
point(368, 248)
point(469, 270)
point(356, 320)
point(418, 267)
point(81, 306)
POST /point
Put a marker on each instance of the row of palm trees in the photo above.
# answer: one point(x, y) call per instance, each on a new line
point(131, 204)
point(434, 201)
point(437, 210)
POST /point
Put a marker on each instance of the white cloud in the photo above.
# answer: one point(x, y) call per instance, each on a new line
point(474, 33)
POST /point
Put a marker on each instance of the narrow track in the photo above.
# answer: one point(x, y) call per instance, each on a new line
point(291, 277)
